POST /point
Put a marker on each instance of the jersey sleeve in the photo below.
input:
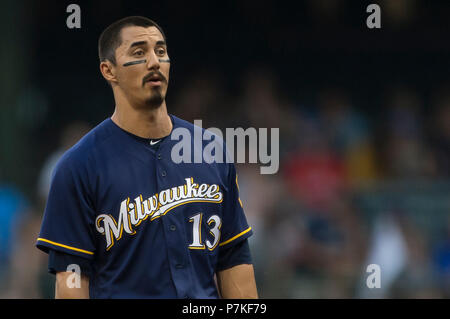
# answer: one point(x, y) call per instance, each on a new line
point(235, 227)
point(68, 221)
point(235, 255)
point(59, 262)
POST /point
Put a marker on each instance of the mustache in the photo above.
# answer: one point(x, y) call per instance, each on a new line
point(151, 74)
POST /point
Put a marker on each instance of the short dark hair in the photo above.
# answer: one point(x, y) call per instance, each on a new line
point(110, 38)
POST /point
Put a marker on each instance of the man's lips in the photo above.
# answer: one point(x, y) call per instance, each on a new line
point(154, 82)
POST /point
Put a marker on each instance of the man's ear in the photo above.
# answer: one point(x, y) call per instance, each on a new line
point(108, 71)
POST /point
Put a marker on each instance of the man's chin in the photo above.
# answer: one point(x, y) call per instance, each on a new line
point(155, 101)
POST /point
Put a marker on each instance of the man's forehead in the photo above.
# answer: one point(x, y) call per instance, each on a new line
point(131, 34)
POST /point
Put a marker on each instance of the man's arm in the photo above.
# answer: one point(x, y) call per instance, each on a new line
point(63, 291)
point(237, 282)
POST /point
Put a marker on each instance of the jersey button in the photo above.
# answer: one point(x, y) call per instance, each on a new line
point(163, 173)
point(159, 156)
point(173, 227)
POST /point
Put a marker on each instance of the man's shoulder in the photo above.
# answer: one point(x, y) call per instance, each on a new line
point(205, 133)
point(211, 139)
point(84, 151)
point(178, 122)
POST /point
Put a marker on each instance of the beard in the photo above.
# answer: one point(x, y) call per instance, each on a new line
point(156, 99)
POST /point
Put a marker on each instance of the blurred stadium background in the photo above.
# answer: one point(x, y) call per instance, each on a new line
point(364, 118)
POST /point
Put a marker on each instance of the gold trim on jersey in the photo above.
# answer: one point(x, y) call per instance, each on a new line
point(65, 246)
point(234, 237)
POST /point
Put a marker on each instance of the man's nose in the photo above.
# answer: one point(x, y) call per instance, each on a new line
point(153, 61)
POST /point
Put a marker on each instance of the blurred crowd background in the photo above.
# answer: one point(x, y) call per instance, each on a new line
point(364, 118)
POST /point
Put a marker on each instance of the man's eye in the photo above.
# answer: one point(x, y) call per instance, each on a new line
point(160, 51)
point(138, 53)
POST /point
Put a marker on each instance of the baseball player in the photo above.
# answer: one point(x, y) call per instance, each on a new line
point(137, 224)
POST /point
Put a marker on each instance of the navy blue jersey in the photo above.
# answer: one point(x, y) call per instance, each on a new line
point(150, 228)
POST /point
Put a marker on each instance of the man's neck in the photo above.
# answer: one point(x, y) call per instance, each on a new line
point(154, 123)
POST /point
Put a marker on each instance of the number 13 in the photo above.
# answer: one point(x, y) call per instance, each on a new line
point(197, 231)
